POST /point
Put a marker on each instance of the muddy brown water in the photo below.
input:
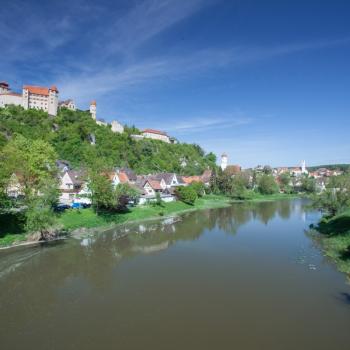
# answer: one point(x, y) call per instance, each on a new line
point(244, 277)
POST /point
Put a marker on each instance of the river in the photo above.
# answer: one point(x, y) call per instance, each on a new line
point(243, 277)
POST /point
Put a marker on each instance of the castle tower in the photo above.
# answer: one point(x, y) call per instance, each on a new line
point(93, 109)
point(303, 167)
point(25, 98)
point(224, 161)
point(53, 100)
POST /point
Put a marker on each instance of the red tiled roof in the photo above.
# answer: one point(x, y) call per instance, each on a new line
point(155, 184)
point(37, 90)
point(93, 102)
point(152, 131)
point(123, 177)
point(190, 179)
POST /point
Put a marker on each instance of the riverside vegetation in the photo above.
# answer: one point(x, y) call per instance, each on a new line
point(31, 142)
point(333, 231)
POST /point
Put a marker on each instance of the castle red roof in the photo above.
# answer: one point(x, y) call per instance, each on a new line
point(93, 102)
point(37, 90)
point(152, 131)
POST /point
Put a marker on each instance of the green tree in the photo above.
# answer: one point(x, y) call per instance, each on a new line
point(308, 184)
point(336, 197)
point(33, 164)
point(239, 187)
point(123, 193)
point(199, 187)
point(186, 194)
point(267, 184)
point(102, 197)
point(285, 183)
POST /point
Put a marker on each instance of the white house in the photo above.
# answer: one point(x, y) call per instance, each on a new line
point(117, 127)
point(74, 188)
point(155, 135)
point(69, 104)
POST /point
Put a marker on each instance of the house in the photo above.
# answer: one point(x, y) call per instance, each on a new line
point(206, 176)
point(298, 171)
point(155, 135)
point(32, 97)
point(190, 179)
point(63, 165)
point(117, 127)
point(170, 179)
point(74, 187)
point(151, 187)
point(117, 177)
point(69, 104)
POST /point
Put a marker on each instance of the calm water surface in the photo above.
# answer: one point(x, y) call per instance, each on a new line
point(245, 277)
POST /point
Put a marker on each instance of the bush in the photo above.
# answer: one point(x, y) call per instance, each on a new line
point(199, 188)
point(267, 185)
point(186, 194)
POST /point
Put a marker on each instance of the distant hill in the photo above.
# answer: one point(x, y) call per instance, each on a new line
point(71, 133)
point(343, 167)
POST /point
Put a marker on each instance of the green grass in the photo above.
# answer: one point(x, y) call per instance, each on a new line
point(335, 239)
point(11, 239)
point(87, 218)
point(257, 197)
point(73, 219)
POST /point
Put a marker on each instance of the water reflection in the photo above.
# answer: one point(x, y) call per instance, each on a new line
point(208, 272)
point(107, 249)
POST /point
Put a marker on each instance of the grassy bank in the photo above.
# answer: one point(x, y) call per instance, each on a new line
point(257, 197)
point(87, 218)
point(334, 238)
point(73, 219)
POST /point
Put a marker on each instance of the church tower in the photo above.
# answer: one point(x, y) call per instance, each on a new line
point(224, 161)
point(303, 167)
point(93, 109)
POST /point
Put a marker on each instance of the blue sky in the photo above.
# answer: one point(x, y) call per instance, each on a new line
point(267, 82)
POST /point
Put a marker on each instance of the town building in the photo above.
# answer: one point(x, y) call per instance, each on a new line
point(32, 97)
point(155, 135)
point(224, 161)
point(69, 104)
point(298, 171)
point(117, 127)
point(74, 188)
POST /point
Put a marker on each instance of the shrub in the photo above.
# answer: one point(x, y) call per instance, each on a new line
point(199, 188)
point(186, 194)
point(267, 184)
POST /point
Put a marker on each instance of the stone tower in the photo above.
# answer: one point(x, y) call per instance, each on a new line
point(224, 161)
point(93, 109)
point(303, 167)
point(53, 100)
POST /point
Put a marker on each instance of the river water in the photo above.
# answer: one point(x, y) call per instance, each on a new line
point(244, 277)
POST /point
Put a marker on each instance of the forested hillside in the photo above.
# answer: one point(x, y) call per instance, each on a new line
point(70, 133)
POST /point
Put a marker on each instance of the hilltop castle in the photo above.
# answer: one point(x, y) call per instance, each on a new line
point(32, 97)
point(116, 127)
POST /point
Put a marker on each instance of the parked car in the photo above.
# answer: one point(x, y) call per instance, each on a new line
point(61, 207)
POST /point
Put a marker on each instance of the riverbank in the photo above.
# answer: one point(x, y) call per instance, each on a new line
point(333, 236)
point(75, 219)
